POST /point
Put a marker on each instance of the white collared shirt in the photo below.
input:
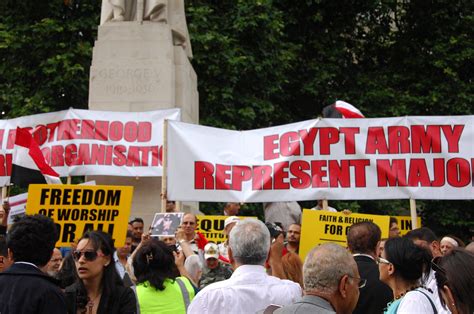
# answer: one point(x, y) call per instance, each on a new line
point(120, 268)
point(248, 290)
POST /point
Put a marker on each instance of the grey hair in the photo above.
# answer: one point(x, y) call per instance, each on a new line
point(250, 242)
point(324, 267)
point(193, 265)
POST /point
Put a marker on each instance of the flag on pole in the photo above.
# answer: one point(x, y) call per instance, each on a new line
point(29, 165)
point(341, 109)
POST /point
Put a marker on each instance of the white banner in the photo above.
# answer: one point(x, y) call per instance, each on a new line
point(84, 142)
point(387, 158)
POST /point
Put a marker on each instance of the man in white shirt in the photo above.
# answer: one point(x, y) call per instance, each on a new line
point(249, 289)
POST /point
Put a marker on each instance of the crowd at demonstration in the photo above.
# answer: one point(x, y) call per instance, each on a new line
point(257, 269)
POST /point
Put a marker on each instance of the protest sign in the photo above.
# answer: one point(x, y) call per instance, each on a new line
point(320, 226)
point(405, 224)
point(165, 224)
point(339, 159)
point(212, 227)
point(85, 142)
point(77, 208)
point(17, 207)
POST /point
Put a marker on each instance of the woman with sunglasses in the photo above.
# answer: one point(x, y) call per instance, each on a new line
point(403, 267)
point(455, 280)
point(98, 288)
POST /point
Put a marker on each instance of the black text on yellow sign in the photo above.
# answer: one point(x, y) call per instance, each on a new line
point(76, 209)
point(212, 227)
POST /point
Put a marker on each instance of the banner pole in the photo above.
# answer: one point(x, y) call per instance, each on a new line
point(68, 180)
point(178, 206)
point(325, 204)
point(414, 220)
point(164, 177)
point(4, 192)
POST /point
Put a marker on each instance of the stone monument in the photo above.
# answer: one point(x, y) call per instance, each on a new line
point(141, 62)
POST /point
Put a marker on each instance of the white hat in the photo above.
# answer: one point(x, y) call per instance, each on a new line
point(211, 251)
point(230, 220)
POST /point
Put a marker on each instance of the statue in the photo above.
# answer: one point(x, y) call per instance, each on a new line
point(164, 11)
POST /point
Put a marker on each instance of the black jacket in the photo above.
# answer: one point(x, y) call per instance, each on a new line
point(121, 301)
point(375, 295)
point(26, 289)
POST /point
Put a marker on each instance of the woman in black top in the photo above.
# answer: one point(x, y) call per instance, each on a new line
point(98, 288)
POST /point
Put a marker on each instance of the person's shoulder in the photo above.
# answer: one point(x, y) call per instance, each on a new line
point(419, 300)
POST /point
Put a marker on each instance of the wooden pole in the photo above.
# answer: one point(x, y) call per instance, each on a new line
point(164, 177)
point(325, 204)
point(179, 204)
point(68, 180)
point(414, 219)
point(4, 193)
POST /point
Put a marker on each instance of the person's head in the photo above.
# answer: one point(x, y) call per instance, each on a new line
point(52, 268)
point(294, 233)
point(137, 229)
point(393, 231)
point(330, 271)
point(363, 237)
point(169, 241)
point(211, 255)
point(93, 259)
point(231, 209)
point(124, 251)
point(193, 266)
point(32, 240)
point(189, 224)
point(249, 243)
point(130, 226)
point(402, 260)
point(454, 273)
point(425, 238)
point(449, 242)
point(170, 206)
point(229, 223)
point(154, 262)
point(293, 267)
point(4, 260)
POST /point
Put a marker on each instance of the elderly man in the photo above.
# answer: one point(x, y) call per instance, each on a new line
point(331, 282)
point(362, 240)
point(52, 268)
point(249, 289)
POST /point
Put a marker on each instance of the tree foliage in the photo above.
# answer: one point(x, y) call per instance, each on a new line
point(268, 62)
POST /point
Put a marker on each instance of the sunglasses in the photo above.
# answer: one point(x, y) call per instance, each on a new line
point(88, 255)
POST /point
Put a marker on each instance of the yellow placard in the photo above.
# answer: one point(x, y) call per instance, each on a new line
point(405, 225)
point(320, 226)
point(212, 227)
point(78, 208)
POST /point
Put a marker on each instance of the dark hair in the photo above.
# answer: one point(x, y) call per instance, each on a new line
point(363, 237)
point(110, 279)
point(424, 234)
point(411, 262)
point(393, 220)
point(3, 246)
point(154, 262)
point(32, 239)
point(67, 274)
point(136, 220)
point(456, 270)
point(129, 234)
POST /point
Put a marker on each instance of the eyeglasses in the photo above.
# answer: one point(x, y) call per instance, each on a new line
point(362, 282)
point(88, 255)
point(381, 260)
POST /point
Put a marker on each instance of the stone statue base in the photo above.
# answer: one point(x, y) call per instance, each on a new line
point(136, 67)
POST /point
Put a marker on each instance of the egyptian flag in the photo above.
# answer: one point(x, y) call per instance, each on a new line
point(29, 165)
point(341, 109)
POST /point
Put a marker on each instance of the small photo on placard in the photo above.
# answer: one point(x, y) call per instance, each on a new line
point(166, 224)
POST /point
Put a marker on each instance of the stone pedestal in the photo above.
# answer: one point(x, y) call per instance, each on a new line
point(136, 67)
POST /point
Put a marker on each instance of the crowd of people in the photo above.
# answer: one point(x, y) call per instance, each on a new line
point(257, 269)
